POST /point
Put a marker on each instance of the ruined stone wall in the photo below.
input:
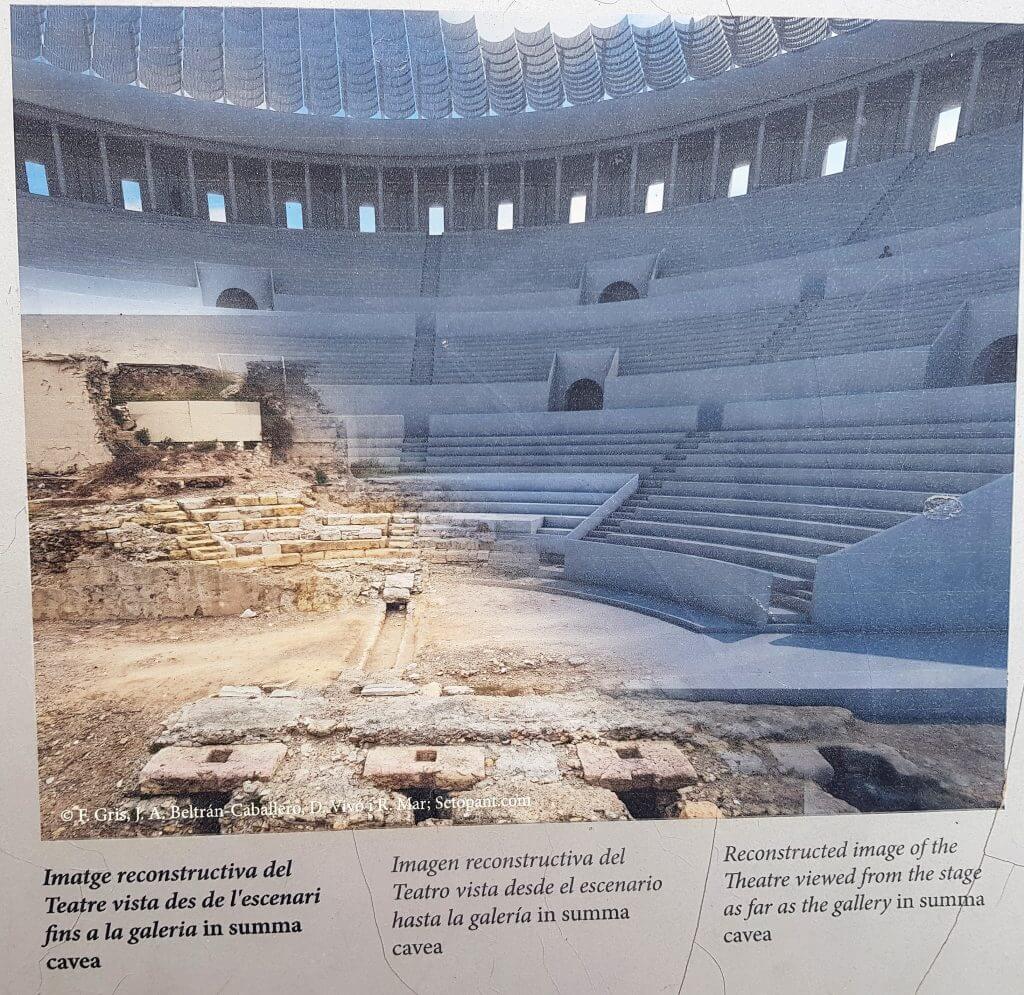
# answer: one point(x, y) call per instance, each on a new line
point(105, 588)
point(64, 432)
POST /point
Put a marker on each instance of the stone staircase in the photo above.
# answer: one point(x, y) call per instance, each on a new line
point(423, 349)
point(540, 451)
point(561, 500)
point(414, 454)
point(776, 499)
point(883, 207)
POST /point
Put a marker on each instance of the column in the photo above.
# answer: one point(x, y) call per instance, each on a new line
point(673, 169)
point(594, 178)
point(270, 194)
point(58, 162)
point(521, 195)
point(634, 164)
point(108, 185)
point(805, 151)
point(967, 116)
point(190, 167)
point(558, 190)
point(344, 197)
point(755, 167)
point(915, 96)
point(307, 210)
point(449, 211)
point(487, 195)
point(147, 150)
point(232, 190)
point(415, 199)
point(716, 155)
point(858, 127)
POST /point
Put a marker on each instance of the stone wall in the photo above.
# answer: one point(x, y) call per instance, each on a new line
point(63, 432)
point(199, 421)
point(97, 589)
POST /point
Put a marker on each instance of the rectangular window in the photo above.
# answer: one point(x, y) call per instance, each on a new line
point(215, 206)
point(131, 195)
point(35, 173)
point(435, 219)
point(577, 208)
point(947, 124)
point(506, 215)
point(293, 213)
point(835, 157)
point(367, 218)
point(739, 181)
point(655, 198)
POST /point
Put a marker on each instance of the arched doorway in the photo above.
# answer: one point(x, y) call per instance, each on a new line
point(584, 395)
point(997, 362)
point(620, 290)
point(233, 297)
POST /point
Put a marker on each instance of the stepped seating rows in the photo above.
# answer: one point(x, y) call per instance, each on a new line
point(563, 500)
point(981, 171)
point(973, 176)
point(368, 359)
point(724, 232)
point(612, 452)
point(88, 238)
point(777, 499)
point(890, 318)
point(655, 346)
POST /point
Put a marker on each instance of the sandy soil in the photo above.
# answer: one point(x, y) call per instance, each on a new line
point(103, 689)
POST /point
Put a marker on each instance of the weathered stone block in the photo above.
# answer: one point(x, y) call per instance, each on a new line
point(186, 769)
point(284, 560)
point(394, 689)
point(282, 535)
point(205, 554)
point(267, 499)
point(444, 768)
point(160, 517)
point(371, 518)
point(240, 691)
point(699, 810)
point(226, 525)
point(628, 766)
point(802, 760)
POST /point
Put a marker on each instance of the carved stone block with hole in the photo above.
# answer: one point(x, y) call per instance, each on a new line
point(633, 766)
point(189, 769)
point(444, 768)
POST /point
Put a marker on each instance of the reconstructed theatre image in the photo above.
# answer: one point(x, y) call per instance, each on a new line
point(448, 419)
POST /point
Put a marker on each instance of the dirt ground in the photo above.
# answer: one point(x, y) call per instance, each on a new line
point(104, 689)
